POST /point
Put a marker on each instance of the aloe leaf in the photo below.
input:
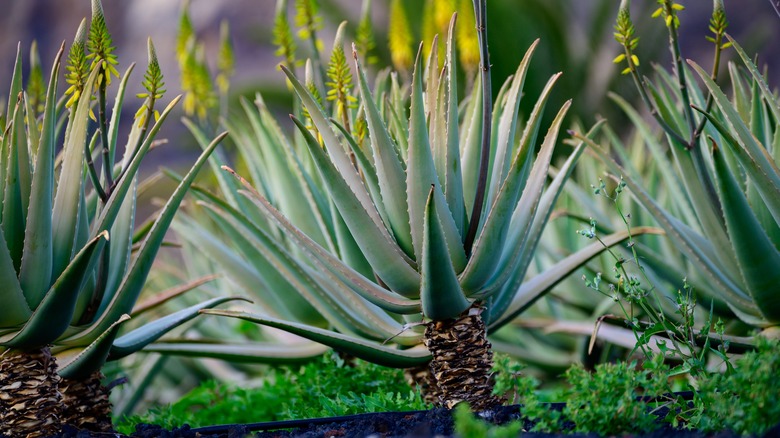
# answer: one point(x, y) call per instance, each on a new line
point(471, 134)
point(16, 82)
point(66, 212)
point(421, 175)
point(685, 239)
point(236, 269)
point(759, 260)
point(36, 267)
point(769, 95)
point(50, 319)
point(116, 113)
point(537, 286)
point(389, 169)
point(79, 363)
point(441, 295)
point(121, 245)
point(755, 158)
point(372, 181)
point(302, 165)
point(335, 150)
point(284, 175)
point(15, 308)
point(489, 245)
point(453, 173)
point(507, 127)
point(366, 288)
point(14, 210)
point(348, 249)
point(122, 302)
point(271, 262)
point(369, 351)
point(139, 338)
point(254, 352)
point(387, 259)
point(226, 185)
point(346, 311)
point(432, 78)
point(109, 212)
point(761, 182)
point(659, 156)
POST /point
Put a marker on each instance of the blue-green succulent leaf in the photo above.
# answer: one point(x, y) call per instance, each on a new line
point(369, 351)
point(441, 295)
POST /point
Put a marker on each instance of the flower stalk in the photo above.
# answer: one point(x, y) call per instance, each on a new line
point(480, 13)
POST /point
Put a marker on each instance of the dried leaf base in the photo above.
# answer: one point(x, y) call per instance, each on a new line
point(462, 361)
point(86, 403)
point(30, 404)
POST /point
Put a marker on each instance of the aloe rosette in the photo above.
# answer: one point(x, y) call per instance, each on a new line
point(721, 172)
point(70, 264)
point(353, 241)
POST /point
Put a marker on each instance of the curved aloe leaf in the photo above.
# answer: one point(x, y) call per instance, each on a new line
point(116, 113)
point(15, 307)
point(335, 150)
point(271, 354)
point(533, 289)
point(453, 172)
point(79, 363)
point(767, 92)
point(441, 295)
point(387, 259)
point(14, 208)
point(366, 288)
point(687, 240)
point(489, 245)
point(421, 175)
point(66, 213)
point(122, 302)
point(110, 211)
point(376, 353)
point(759, 260)
point(390, 172)
point(141, 337)
point(507, 127)
point(52, 316)
point(754, 157)
point(36, 267)
point(471, 136)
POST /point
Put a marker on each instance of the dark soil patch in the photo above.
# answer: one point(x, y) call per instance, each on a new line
point(435, 422)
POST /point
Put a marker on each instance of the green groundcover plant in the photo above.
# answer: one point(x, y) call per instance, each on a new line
point(328, 386)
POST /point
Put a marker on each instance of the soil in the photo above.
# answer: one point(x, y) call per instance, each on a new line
point(432, 423)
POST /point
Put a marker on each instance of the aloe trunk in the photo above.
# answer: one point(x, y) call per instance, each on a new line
point(30, 404)
point(86, 404)
point(462, 361)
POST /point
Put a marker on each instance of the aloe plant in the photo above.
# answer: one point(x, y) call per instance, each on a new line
point(383, 239)
point(67, 261)
point(720, 165)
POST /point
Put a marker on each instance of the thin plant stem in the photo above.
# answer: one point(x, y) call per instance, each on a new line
point(713, 76)
point(106, 152)
point(480, 12)
point(776, 5)
point(93, 173)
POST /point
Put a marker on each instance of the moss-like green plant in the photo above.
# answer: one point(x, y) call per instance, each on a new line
point(325, 387)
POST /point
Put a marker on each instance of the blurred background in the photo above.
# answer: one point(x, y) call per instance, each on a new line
point(576, 39)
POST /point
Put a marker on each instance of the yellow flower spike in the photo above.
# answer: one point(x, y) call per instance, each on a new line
point(669, 20)
point(618, 59)
point(658, 12)
point(678, 7)
point(635, 59)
